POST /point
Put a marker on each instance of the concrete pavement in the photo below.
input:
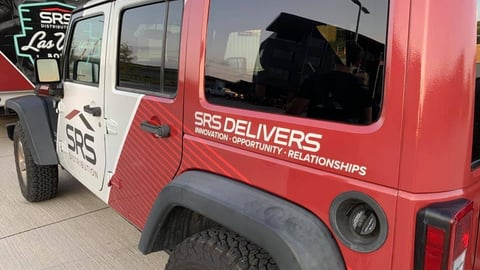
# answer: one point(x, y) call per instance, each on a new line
point(75, 230)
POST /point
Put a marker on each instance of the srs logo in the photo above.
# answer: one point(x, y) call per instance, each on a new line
point(43, 29)
point(80, 142)
point(55, 16)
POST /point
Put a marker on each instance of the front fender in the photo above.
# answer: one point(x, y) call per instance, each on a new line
point(294, 237)
point(38, 118)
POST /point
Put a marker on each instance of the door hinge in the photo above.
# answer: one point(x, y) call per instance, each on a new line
point(114, 181)
point(112, 126)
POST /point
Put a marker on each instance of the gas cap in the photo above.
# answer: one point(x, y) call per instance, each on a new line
point(362, 220)
point(358, 221)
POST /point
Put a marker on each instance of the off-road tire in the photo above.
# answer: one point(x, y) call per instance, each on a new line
point(37, 182)
point(219, 249)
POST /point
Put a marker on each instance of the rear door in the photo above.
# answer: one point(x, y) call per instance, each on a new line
point(144, 104)
point(80, 138)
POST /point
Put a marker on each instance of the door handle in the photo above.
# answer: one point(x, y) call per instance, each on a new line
point(161, 131)
point(95, 111)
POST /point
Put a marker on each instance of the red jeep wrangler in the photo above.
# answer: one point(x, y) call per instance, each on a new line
point(353, 143)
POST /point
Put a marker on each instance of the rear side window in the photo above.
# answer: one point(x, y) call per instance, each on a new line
point(316, 59)
point(149, 48)
point(476, 122)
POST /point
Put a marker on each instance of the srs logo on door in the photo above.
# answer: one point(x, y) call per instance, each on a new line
point(81, 141)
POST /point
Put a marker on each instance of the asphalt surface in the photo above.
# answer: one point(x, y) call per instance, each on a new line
point(75, 230)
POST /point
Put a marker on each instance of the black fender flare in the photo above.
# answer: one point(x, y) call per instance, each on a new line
point(294, 237)
point(38, 119)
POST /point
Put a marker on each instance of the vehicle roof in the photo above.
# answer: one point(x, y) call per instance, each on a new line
point(90, 4)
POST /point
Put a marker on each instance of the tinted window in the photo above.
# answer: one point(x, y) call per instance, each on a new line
point(84, 53)
point(172, 46)
point(148, 51)
point(476, 122)
point(302, 57)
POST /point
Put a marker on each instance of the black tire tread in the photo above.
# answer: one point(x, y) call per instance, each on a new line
point(42, 180)
point(219, 249)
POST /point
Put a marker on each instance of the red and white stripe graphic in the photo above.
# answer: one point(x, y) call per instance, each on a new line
point(11, 78)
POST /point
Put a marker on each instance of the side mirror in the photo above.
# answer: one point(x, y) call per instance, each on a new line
point(47, 70)
point(47, 73)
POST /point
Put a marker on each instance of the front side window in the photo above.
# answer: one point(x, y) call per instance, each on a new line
point(316, 59)
point(85, 49)
point(148, 51)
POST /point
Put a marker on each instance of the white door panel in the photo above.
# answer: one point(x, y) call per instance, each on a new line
point(81, 124)
point(80, 135)
point(119, 120)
